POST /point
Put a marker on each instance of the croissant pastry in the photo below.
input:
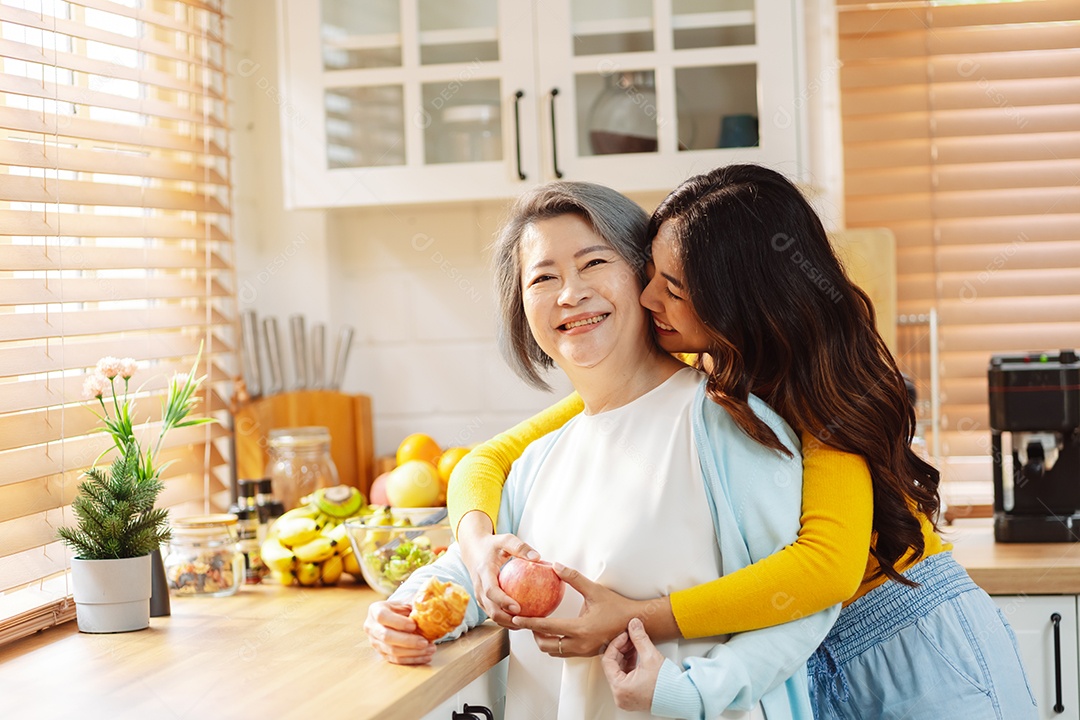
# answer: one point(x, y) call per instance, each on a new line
point(438, 608)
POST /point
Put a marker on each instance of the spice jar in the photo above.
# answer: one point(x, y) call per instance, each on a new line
point(270, 508)
point(300, 463)
point(247, 530)
point(204, 559)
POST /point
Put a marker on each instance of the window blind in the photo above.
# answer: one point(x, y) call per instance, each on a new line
point(961, 133)
point(114, 240)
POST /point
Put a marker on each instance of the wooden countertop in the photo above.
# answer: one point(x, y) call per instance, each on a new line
point(266, 652)
point(1014, 568)
point(274, 652)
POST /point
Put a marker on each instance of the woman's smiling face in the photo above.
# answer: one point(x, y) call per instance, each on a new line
point(677, 326)
point(580, 296)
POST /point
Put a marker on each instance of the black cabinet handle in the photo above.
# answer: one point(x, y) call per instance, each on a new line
point(554, 150)
point(517, 131)
point(1056, 619)
point(468, 713)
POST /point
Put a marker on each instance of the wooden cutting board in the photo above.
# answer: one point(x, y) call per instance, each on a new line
point(348, 417)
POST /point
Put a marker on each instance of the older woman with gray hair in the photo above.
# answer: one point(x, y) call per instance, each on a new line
point(653, 487)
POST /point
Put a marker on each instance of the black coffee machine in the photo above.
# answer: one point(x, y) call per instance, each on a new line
point(1036, 399)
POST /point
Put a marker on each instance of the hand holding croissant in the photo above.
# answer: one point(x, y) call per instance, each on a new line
point(438, 608)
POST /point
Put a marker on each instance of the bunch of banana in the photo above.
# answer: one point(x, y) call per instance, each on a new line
point(309, 545)
point(334, 505)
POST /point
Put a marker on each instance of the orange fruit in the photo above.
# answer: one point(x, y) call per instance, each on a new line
point(449, 460)
point(418, 446)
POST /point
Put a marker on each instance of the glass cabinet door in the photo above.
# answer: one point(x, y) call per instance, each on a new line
point(458, 110)
point(409, 94)
point(364, 123)
point(675, 86)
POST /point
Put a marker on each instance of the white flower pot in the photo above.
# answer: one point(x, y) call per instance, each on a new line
point(111, 595)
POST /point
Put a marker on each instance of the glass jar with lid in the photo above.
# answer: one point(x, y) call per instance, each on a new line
point(204, 559)
point(300, 463)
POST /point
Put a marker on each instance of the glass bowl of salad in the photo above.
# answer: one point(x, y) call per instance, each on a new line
point(389, 550)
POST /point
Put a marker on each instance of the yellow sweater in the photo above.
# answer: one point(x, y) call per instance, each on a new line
point(829, 563)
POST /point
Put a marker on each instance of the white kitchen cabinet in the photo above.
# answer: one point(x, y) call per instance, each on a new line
point(1033, 618)
point(397, 101)
point(487, 691)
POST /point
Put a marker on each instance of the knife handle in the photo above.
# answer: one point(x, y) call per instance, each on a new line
point(273, 355)
point(318, 355)
point(296, 323)
point(252, 366)
point(341, 355)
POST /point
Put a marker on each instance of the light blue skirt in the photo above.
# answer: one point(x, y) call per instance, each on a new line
point(940, 650)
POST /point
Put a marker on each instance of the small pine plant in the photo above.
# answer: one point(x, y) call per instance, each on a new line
point(116, 513)
point(115, 507)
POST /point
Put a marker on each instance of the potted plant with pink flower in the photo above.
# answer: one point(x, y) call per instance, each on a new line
point(118, 524)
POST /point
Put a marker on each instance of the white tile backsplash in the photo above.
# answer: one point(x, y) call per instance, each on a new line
point(452, 303)
point(394, 238)
point(423, 379)
point(379, 304)
point(505, 392)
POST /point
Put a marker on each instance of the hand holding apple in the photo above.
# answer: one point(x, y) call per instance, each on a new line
point(484, 553)
point(604, 614)
point(535, 586)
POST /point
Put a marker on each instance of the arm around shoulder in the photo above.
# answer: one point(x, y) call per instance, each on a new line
point(824, 566)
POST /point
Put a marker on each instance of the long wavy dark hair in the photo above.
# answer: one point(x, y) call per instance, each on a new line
point(788, 325)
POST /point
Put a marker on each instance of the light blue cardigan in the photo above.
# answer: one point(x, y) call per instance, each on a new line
point(755, 495)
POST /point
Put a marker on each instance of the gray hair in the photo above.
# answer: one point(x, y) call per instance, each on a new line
point(617, 219)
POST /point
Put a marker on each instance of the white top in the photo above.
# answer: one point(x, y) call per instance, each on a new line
point(627, 491)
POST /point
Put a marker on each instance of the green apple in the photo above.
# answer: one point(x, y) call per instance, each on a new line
point(413, 484)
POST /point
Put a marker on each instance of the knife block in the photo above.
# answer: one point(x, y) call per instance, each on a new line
point(348, 417)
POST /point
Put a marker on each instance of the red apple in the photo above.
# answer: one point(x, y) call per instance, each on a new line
point(535, 586)
point(377, 495)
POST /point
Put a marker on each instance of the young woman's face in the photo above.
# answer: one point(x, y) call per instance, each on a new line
point(677, 326)
point(580, 296)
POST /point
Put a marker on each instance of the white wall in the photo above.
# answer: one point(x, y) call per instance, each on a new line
point(413, 281)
